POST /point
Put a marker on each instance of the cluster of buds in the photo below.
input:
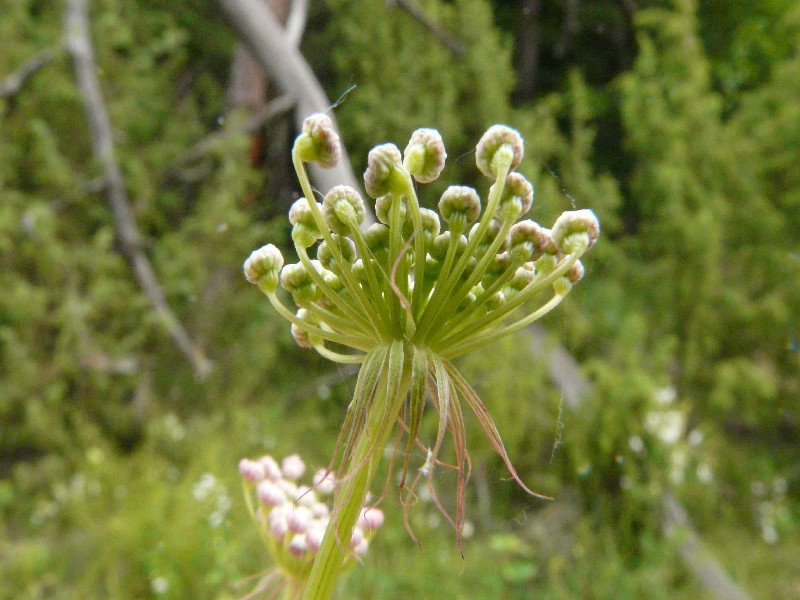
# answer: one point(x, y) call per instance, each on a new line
point(405, 277)
point(292, 517)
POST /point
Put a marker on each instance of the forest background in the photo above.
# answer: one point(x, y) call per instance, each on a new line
point(666, 386)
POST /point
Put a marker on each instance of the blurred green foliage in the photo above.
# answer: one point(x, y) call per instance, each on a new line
point(117, 467)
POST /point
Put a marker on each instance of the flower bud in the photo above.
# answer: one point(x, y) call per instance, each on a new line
point(300, 335)
point(383, 206)
point(320, 510)
point(361, 548)
point(382, 160)
point(496, 142)
point(343, 209)
point(271, 469)
point(573, 225)
point(495, 269)
point(298, 519)
point(356, 537)
point(430, 225)
point(298, 545)
point(526, 241)
point(293, 467)
point(370, 519)
point(270, 494)
point(297, 281)
point(517, 197)
point(319, 142)
point(492, 231)
point(324, 481)
point(424, 157)
point(441, 242)
point(576, 272)
point(359, 272)
point(314, 535)
point(277, 521)
point(262, 267)
point(495, 301)
point(459, 206)
point(251, 470)
point(347, 249)
point(305, 230)
point(522, 277)
point(376, 237)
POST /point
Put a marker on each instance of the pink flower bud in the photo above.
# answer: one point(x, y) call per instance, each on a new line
point(425, 156)
point(293, 467)
point(319, 142)
point(298, 518)
point(320, 509)
point(382, 160)
point(357, 537)
point(251, 470)
point(271, 469)
point(270, 494)
point(278, 524)
point(361, 548)
point(305, 496)
point(314, 535)
point(298, 545)
point(370, 518)
point(324, 481)
point(575, 223)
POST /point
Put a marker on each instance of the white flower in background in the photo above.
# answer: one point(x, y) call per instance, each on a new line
point(669, 426)
point(665, 395)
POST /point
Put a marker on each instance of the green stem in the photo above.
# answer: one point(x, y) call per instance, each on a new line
point(390, 394)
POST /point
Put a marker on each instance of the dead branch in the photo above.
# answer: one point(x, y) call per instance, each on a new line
point(262, 33)
point(12, 83)
point(78, 44)
point(296, 22)
point(443, 37)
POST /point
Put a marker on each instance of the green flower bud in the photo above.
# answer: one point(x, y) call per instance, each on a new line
point(440, 243)
point(381, 162)
point(319, 142)
point(495, 269)
point(346, 247)
point(574, 225)
point(522, 277)
point(487, 151)
point(377, 237)
point(430, 225)
point(297, 281)
point(304, 231)
point(562, 286)
point(425, 156)
point(342, 209)
point(495, 301)
point(517, 197)
point(359, 271)
point(332, 279)
point(527, 241)
point(384, 204)
point(432, 269)
point(460, 206)
point(263, 266)
point(492, 231)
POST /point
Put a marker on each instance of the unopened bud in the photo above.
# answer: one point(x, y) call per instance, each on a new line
point(499, 140)
point(293, 467)
point(441, 242)
point(576, 272)
point(460, 206)
point(370, 519)
point(324, 481)
point(526, 241)
point(384, 205)
point(305, 230)
point(425, 156)
point(251, 470)
point(573, 226)
point(270, 494)
point(263, 266)
point(319, 142)
point(343, 209)
point(430, 225)
point(271, 469)
point(346, 247)
point(296, 280)
point(298, 545)
point(382, 160)
point(517, 197)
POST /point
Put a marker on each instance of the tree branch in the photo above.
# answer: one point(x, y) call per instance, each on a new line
point(446, 39)
point(261, 32)
point(12, 83)
point(78, 44)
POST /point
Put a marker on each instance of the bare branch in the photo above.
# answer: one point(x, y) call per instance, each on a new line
point(78, 44)
point(262, 33)
point(12, 83)
point(446, 39)
point(271, 111)
point(296, 22)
